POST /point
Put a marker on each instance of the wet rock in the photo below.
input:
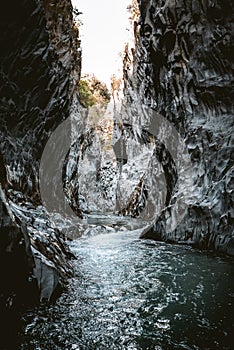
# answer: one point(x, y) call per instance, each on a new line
point(182, 70)
point(39, 69)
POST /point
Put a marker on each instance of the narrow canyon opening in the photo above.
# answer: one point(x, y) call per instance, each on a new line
point(116, 175)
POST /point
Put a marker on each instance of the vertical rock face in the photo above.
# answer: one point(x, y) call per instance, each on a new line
point(182, 70)
point(39, 70)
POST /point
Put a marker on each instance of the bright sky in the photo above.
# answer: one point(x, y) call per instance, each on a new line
point(103, 35)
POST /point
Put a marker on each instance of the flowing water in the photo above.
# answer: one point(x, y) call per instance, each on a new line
point(136, 294)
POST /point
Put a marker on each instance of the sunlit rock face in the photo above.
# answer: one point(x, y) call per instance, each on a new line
point(182, 69)
point(39, 69)
point(97, 167)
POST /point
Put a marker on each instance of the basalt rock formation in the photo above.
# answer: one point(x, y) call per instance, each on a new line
point(180, 67)
point(39, 72)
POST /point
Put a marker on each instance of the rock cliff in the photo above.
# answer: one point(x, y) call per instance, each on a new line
point(178, 71)
point(180, 67)
point(39, 72)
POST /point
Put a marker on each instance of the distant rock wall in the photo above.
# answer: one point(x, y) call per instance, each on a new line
point(39, 72)
point(182, 69)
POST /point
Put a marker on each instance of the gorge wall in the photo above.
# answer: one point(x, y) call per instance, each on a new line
point(180, 67)
point(39, 72)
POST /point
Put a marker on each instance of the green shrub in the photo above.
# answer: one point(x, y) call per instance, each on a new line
point(86, 97)
point(93, 92)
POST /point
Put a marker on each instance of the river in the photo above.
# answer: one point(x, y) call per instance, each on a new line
point(135, 294)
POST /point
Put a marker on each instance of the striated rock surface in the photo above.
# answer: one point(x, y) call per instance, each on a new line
point(39, 72)
point(97, 167)
point(182, 70)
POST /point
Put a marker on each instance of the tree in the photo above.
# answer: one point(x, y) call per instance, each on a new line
point(93, 92)
point(86, 97)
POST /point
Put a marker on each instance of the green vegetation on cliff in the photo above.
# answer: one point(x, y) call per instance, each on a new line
point(93, 92)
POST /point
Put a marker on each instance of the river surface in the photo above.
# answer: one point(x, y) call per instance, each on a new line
point(137, 294)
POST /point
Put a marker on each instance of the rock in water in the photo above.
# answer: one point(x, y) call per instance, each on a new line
point(39, 68)
point(182, 70)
